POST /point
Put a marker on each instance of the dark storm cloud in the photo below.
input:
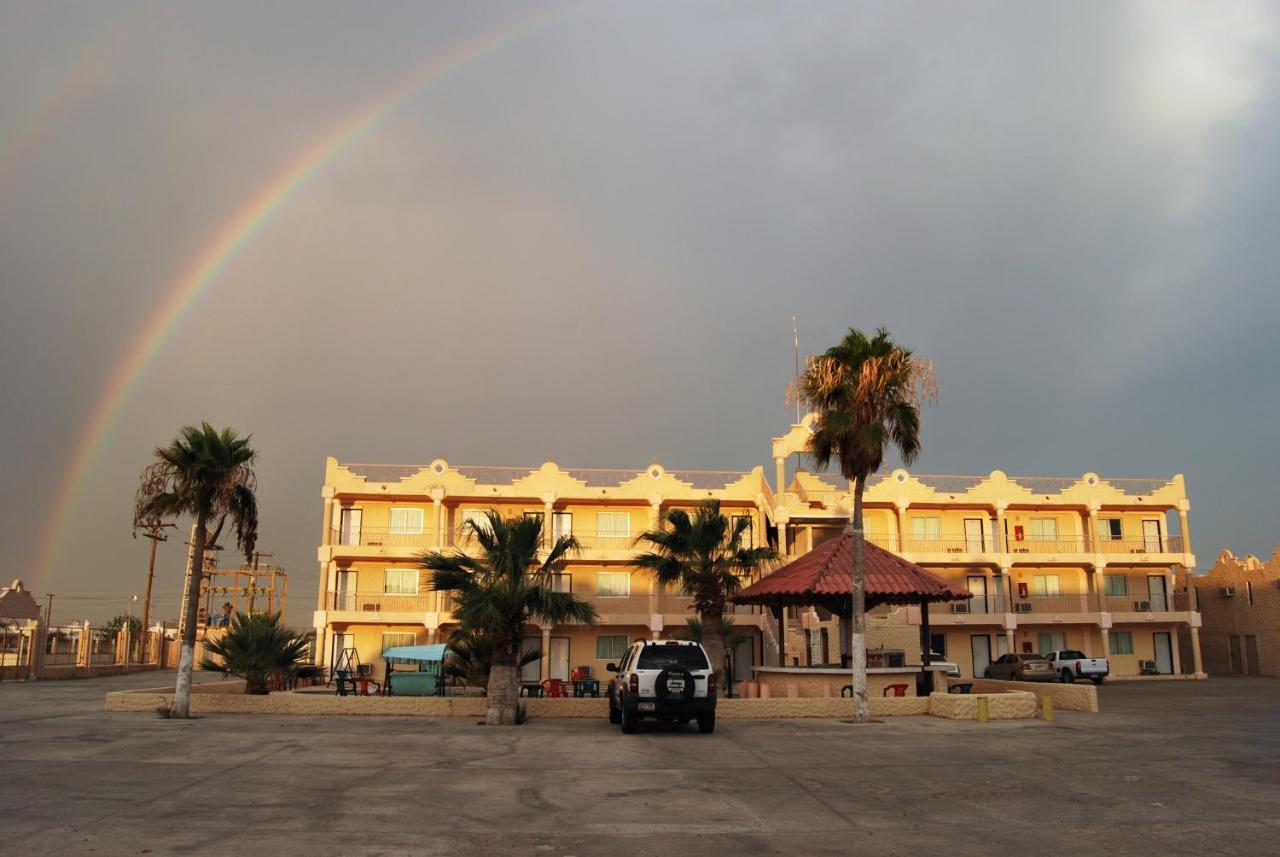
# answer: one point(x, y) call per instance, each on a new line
point(590, 243)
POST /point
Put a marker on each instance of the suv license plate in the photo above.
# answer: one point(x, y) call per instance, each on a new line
point(645, 706)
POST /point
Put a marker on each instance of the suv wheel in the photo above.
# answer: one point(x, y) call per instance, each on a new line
point(615, 714)
point(628, 720)
point(707, 722)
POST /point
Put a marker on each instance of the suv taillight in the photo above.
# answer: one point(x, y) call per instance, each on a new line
point(635, 684)
point(711, 684)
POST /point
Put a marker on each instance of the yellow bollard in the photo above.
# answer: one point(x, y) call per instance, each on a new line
point(983, 714)
point(1048, 710)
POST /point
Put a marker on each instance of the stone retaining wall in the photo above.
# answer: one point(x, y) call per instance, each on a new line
point(1014, 705)
point(1067, 697)
point(229, 698)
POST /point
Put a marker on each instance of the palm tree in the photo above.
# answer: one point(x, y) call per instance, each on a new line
point(866, 392)
point(705, 557)
point(207, 474)
point(733, 635)
point(258, 648)
point(501, 589)
point(471, 657)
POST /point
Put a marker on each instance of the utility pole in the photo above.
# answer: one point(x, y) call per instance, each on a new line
point(48, 613)
point(253, 578)
point(156, 534)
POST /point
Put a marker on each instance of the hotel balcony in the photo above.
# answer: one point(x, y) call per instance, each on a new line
point(1074, 550)
point(379, 543)
point(386, 606)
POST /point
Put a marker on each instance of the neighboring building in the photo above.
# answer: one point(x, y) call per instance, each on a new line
point(17, 607)
point(1239, 600)
point(1078, 562)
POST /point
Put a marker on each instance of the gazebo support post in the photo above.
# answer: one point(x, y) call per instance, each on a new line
point(780, 618)
point(926, 675)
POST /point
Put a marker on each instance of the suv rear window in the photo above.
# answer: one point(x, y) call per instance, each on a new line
point(662, 657)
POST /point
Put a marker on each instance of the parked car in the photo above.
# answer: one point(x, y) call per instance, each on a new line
point(1021, 668)
point(1071, 664)
point(668, 680)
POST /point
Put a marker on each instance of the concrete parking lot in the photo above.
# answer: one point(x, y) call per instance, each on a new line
point(1175, 768)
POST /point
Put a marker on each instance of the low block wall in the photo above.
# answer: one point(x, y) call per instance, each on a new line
point(1067, 697)
point(822, 686)
point(1014, 705)
point(229, 698)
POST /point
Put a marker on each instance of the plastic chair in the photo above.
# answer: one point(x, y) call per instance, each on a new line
point(897, 690)
point(554, 688)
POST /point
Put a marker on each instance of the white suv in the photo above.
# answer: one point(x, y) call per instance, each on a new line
point(670, 680)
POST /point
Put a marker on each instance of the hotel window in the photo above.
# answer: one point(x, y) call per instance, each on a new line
point(613, 584)
point(1121, 642)
point(405, 521)
point(400, 581)
point(390, 639)
point(611, 647)
point(561, 524)
point(537, 515)
point(1043, 529)
point(1045, 584)
point(613, 525)
point(1109, 529)
point(562, 583)
point(926, 529)
point(746, 542)
point(1248, 587)
point(1115, 584)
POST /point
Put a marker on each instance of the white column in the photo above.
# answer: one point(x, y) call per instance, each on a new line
point(437, 504)
point(1183, 508)
point(1000, 543)
point(782, 538)
point(548, 509)
point(545, 664)
point(902, 505)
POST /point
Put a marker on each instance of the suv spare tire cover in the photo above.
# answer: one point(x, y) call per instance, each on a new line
point(660, 684)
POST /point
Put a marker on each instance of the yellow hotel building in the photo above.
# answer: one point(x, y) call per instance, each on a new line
point(1089, 562)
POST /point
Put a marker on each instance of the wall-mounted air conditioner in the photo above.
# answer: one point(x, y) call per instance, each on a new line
point(1227, 591)
point(1022, 607)
point(960, 607)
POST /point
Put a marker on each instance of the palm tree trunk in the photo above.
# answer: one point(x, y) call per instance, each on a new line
point(503, 690)
point(713, 642)
point(186, 661)
point(858, 632)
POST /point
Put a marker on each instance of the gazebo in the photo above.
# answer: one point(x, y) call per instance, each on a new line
point(824, 578)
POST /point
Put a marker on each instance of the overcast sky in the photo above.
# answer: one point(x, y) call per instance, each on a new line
point(588, 244)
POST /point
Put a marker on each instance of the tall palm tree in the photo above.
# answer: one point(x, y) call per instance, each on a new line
point(471, 658)
point(501, 589)
point(207, 474)
point(704, 555)
point(867, 393)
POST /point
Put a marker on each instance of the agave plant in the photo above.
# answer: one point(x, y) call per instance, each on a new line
point(258, 648)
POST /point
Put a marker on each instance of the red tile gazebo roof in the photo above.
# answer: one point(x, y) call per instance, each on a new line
point(824, 577)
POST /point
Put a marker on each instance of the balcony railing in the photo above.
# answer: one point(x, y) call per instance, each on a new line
point(613, 605)
point(977, 605)
point(950, 544)
point(1153, 544)
point(613, 541)
point(1144, 602)
point(1073, 603)
point(385, 602)
point(382, 537)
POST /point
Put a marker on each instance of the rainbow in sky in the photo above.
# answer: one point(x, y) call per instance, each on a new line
point(229, 240)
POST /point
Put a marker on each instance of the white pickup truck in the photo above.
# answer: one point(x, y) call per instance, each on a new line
point(1071, 664)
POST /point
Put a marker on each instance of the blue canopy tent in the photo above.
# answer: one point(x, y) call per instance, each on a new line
point(421, 682)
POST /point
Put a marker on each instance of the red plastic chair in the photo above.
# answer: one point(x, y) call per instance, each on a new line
point(898, 690)
point(554, 688)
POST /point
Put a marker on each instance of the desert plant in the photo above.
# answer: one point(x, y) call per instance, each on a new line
point(501, 589)
point(867, 393)
point(257, 647)
point(207, 474)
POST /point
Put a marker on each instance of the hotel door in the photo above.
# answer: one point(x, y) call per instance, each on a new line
point(1252, 665)
point(531, 672)
point(980, 645)
point(1237, 656)
point(560, 658)
point(344, 590)
point(349, 526)
point(1156, 593)
point(978, 590)
point(1152, 542)
point(1164, 653)
point(974, 537)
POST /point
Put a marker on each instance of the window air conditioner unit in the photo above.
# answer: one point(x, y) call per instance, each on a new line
point(960, 607)
point(371, 607)
point(1022, 607)
point(1147, 668)
point(1227, 591)
point(1142, 606)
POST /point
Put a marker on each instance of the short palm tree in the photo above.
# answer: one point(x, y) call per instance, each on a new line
point(705, 557)
point(471, 657)
point(207, 474)
point(733, 635)
point(867, 393)
point(500, 589)
point(258, 648)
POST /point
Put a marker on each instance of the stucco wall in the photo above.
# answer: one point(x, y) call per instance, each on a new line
point(1016, 705)
point(1068, 697)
